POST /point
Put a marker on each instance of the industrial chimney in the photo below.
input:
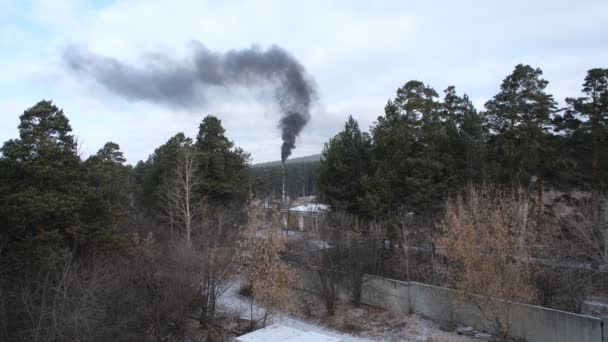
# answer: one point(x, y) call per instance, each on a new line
point(283, 183)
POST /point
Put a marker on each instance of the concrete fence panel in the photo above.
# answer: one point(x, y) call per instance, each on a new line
point(527, 322)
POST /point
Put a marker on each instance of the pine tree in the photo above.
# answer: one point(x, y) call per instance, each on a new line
point(154, 172)
point(432, 161)
point(108, 199)
point(223, 167)
point(406, 151)
point(465, 139)
point(518, 118)
point(344, 169)
point(111, 153)
point(42, 183)
point(593, 110)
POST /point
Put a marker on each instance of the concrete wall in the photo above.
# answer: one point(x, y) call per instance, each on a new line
point(528, 322)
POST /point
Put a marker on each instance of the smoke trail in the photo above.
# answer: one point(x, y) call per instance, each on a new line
point(184, 83)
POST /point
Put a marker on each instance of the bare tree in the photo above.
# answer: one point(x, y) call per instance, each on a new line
point(158, 293)
point(342, 247)
point(261, 247)
point(408, 230)
point(154, 290)
point(361, 247)
point(60, 303)
point(577, 262)
point(181, 203)
point(415, 252)
point(483, 232)
point(322, 256)
point(216, 240)
point(584, 231)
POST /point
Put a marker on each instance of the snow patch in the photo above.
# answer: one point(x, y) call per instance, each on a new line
point(282, 333)
point(310, 208)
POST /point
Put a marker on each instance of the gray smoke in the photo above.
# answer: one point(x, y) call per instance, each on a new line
point(185, 83)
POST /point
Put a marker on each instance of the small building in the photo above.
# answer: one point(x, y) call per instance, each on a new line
point(304, 214)
point(282, 333)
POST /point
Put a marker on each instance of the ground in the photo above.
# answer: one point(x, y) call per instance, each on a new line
point(349, 324)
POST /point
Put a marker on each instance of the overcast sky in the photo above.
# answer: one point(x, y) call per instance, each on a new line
point(358, 52)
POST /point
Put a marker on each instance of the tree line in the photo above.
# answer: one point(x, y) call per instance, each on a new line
point(425, 148)
point(96, 249)
point(52, 198)
point(462, 195)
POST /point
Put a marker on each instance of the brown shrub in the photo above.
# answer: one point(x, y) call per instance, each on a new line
point(489, 238)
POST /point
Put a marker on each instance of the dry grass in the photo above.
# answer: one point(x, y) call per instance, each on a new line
point(375, 323)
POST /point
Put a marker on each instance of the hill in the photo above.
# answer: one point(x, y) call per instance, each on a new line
point(307, 159)
point(300, 177)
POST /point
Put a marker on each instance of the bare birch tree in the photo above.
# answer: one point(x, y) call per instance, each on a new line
point(181, 203)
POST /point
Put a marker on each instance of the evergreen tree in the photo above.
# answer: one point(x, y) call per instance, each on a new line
point(406, 150)
point(151, 174)
point(108, 198)
point(465, 140)
point(344, 169)
point(518, 118)
point(42, 185)
point(110, 153)
point(223, 167)
point(592, 127)
point(432, 161)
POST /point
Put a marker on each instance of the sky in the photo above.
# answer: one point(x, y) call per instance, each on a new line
point(357, 52)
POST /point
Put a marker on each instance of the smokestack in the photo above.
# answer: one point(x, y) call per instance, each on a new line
point(283, 182)
point(186, 83)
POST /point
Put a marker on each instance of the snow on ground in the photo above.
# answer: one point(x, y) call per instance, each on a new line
point(232, 301)
point(279, 332)
point(369, 324)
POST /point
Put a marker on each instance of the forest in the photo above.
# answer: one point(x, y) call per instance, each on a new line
point(300, 178)
point(93, 248)
point(426, 148)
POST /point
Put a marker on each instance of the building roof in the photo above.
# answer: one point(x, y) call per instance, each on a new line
point(281, 333)
point(303, 200)
point(310, 208)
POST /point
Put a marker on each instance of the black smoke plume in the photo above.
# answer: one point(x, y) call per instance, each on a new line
point(185, 83)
